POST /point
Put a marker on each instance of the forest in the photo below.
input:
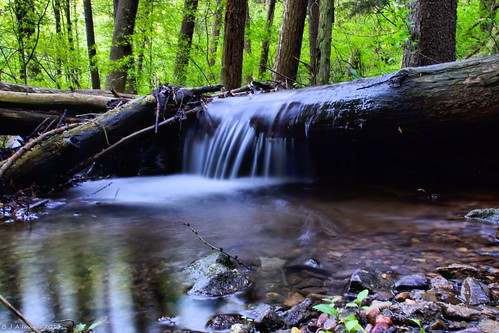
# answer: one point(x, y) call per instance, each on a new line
point(126, 44)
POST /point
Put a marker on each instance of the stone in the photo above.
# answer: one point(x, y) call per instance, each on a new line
point(462, 312)
point(490, 215)
point(214, 276)
point(371, 279)
point(223, 321)
point(266, 319)
point(299, 313)
point(474, 292)
point(458, 271)
point(240, 328)
point(489, 326)
point(414, 281)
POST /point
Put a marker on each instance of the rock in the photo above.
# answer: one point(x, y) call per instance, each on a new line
point(474, 292)
point(293, 299)
point(460, 312)
point(215, 275)
point(223, 321)
point(458, 271)
point(403, 313)
point(489, 326)
point(299, 313)
point(371, 279)
point(414, 281)
point(266, 319)
point(490, 215)
point(241, 328)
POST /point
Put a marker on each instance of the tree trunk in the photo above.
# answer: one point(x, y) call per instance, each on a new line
point(433, 35)
point(185, 40)
point(232, 59)
point(91, 46)
point(25, 16)
point(313, 32)
point(290, 38)
point(324, 42)
point(121, 50)
point(264, 57)
point(215, 33)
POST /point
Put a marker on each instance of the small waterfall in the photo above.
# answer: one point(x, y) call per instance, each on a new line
point(234, 139)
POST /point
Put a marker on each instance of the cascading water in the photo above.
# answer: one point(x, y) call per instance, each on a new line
point(242, 137)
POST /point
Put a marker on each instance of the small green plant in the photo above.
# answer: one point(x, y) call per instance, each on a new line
point(417, 322)
point(351, 322)
point(357, 302)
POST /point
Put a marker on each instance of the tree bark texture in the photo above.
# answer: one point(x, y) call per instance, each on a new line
point(185, 41)
point(121, 48)
point(290, 39)
point(313, 32)
point(91, 46)
point(433, 34)
point(233, 49)
point(324, 42)
point(264, 56)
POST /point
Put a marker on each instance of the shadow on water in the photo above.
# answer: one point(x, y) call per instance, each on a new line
point(114, 248)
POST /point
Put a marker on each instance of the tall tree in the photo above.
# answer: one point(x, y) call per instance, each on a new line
point(313, 32)
point(290, 39)
point(324, 41)
point(232, 58)
point(264, 56)
point(121, 54)
point(185, 40)
point(433, 34)
point(215, 32)
point(26, 28)
point(91, 46)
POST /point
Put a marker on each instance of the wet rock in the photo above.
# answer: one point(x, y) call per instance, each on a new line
point(299, 313)
point(371, 279)
point(266, 319)
point(459, 271)
point(490, 215)
point(215, 275)
point(223, 321)
point(474, 292)
point(489, 326)
point(438, 282)
point(403, 313)
point(241, 328)
point(293, 299)
point(414, 281)
point(460, 312)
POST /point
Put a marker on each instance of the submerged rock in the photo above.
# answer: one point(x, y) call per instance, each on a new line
point(490, 215)
point(369, 278)
point(215, 275)
point(474, 292)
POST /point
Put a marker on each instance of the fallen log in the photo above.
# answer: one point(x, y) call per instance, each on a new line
point(414, 116)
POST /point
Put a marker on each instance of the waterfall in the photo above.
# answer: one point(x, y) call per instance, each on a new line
point(239, 137)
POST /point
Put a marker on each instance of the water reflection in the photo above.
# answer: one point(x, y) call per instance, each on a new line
point(118, 256)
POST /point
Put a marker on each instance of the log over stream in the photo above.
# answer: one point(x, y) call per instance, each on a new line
point(413, 115)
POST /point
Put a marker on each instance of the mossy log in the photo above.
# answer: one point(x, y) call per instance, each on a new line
point(49, 161)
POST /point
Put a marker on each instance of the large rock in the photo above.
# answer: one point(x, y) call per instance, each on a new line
point(215, 275)
point(490, 215)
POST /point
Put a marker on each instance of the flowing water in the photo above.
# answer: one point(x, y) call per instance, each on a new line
point(115, 248)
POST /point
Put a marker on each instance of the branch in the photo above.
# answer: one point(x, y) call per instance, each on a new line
point(17, 313)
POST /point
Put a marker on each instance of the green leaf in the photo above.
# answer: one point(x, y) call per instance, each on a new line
point(351, 305)
point(352, 325)
point(362, 295)
point(326, 309)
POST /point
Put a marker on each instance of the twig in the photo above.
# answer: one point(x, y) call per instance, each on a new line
point(17, 313)
point(213, 247)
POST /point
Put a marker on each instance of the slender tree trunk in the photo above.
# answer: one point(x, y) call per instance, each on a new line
point(121, 50)
point(232, 59)
point(290, 39)
point(91, 46)
point(313, 33)
point(264, 57)
point(433, 36)
point(185, 40)
point(215, 33)
point(324, 41)
point(25, 16)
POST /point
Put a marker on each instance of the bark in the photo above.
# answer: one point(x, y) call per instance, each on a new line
point(215, 33)
point(24, 123)
point(264, 57)
point(324, 42)
point(91, 46)
point(290, 38)
point(185, 40)
point(121, 50)
point(313, 32)
point(433, 35)
point(232, 59)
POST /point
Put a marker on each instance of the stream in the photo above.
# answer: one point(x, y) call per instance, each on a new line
point(113, 249)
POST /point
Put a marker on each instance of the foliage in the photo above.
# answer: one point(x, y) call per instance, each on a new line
point(350, 321)
point(417, 322)
point(367, 40)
